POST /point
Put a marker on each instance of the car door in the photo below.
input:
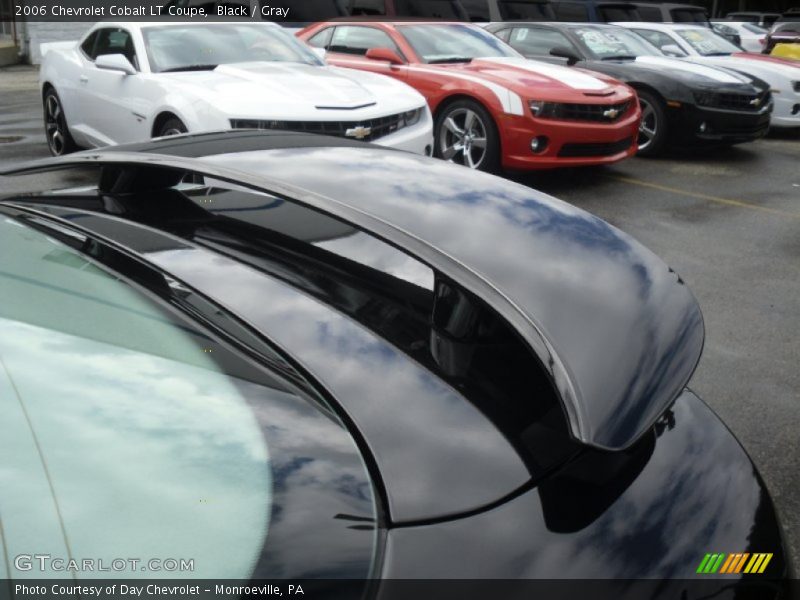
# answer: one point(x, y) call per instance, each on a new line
point(348, 47)
point(114, 101)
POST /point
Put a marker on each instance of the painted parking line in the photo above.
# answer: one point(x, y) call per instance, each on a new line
point(699, 196)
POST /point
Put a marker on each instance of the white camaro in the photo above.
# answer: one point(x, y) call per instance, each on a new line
point(700, 45)
point(127, 82)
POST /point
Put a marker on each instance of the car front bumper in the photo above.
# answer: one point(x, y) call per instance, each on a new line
point(417, 139)
point(567, 143)
point(695, 124)
point(787, 110)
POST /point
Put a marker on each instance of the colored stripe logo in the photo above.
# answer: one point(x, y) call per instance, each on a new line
point(738, 562)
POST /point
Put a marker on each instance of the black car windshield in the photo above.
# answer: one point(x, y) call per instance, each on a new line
point(193, 47)
point(454, 43)
point(614, 44)
point(707, 43)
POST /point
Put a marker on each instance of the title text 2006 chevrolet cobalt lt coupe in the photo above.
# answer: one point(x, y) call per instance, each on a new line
point(312, 364)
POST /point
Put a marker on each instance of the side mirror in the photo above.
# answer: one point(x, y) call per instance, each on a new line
point(385, 54)
point(320, 52)
point(672, 50)
point(115, 62)
point(564, 52)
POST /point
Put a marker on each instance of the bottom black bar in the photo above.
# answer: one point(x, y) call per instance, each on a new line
point(407, 589)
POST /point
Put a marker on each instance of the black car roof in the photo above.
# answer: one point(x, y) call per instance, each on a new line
point(618, 332)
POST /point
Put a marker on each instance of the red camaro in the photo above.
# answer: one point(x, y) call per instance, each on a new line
point(492, 107)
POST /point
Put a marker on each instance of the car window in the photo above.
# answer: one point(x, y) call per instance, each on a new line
point(357, 40)
point(504, 34)
point(518, 10)
point(438, 43)
point(650, 14)
point(432, 9)
point(611, 43)
point(610, 14)
point(571, 11)
point(321, 39)
point(477, 10)
point(682, 15)
point(149, 423)
point(538, 41)
point(706, 42)
point(116, 41)
point(88, 46)
point(753, 28)
point(659, 39)
point(181, 47)
point(368, 7)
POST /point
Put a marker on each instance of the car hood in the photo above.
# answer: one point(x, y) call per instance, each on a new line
point(691, 73)
point(532, 78)
point(776, 74)
point(291, 90)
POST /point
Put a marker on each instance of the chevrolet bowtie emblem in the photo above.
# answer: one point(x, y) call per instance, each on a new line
point(359, 132)
point(611, 113)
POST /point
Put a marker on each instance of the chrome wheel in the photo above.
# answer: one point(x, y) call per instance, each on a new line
point(55, 126)
point(462, 138)
point(171, 131)
point(648, 128)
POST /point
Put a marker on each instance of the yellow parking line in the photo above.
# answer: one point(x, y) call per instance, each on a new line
point(717, 199)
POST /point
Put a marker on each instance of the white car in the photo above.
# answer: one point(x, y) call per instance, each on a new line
point(751, 34)
point(702, 46)
point(127, 82)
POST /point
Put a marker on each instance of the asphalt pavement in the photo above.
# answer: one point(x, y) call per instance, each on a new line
point(727, 220)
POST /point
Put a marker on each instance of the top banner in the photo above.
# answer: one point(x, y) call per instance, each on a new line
point(281, 11)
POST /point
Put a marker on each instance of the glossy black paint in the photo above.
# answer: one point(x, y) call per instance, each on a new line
point(580, 274)
point(462, 498)
point(436, 453)
point(691, 490)
point(675, 85)
point(647, 328)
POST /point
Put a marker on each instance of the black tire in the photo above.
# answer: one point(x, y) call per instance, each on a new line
point(458, 126)
point(653, 127)
point(59, 139)
point(172, 126)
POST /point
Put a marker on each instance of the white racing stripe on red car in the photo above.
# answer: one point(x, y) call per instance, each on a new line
point(509, 100)
point(566, 75)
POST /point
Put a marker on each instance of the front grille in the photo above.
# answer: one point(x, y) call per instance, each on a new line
point(595, 150)
point(734, 102)
point(599, 113)
point(366, 130)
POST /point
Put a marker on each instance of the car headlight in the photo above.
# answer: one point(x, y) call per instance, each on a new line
point(412, 117)
point(705, 98)
point(542, 109)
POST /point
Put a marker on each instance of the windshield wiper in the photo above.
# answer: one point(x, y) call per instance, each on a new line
point(450, 59)
point(620, 57)
point(718, 54)
point(191, 68)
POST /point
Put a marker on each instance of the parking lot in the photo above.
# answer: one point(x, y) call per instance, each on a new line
point(728, 221)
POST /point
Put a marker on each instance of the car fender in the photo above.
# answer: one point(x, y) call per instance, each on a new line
point(194, 112)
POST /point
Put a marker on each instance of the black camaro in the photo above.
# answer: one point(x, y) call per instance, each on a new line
point(682, 103)
point(274, 355)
